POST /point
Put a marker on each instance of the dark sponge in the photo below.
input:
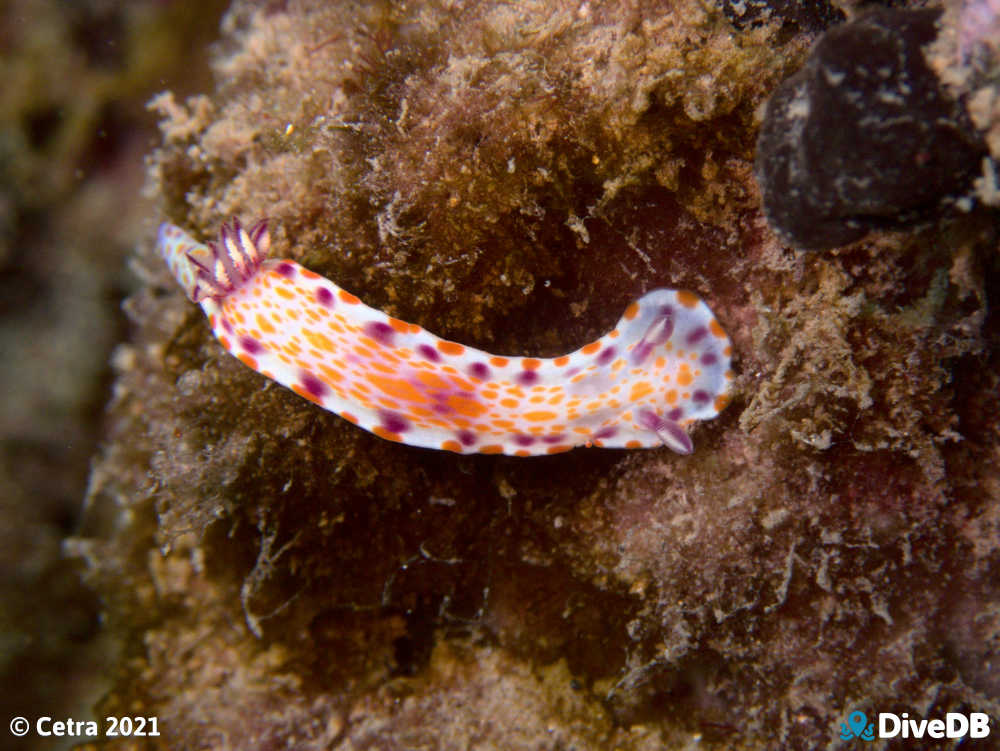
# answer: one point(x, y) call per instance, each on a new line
point(864, 136)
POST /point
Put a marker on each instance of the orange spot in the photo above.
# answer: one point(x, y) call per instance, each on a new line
point(684, 378)
point(265, 325)
point(491, 449)
point(348, 297)
point(687, 299)
point(639, 390)
point(282, 292)
point(498, 362)
point(503, 423)
point(401, 326)
point(305, 394)
point(489, 394)
point(537, 399)
point(381, 366)
point(452, 446)
point(530, 363)
point(450, 348)
point(463, 384)
point(560, 361)
point(224, 342)
point(730, 375)
point(721, 401)
point(671, 397)
point(247, 360)
point(332, 375)
point(727, 351)
point(613, 334)
point(631, 311)
point(577, 378)
point(432, 380)
point(398, 388)
point(515, 391)
point(309, 274)
point(319, 341)
point(716, 329)
point(589, 349)
point(582, 430)
point(522, 452)
point(509, 403)
point(561, 448)
point(539, 415)
point(633, 444)
point(465, 406)
point(387, 434)
point(556, 399)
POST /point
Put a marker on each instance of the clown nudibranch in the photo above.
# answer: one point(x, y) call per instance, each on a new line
point(665, 365)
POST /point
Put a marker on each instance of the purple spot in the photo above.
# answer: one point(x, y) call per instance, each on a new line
point(675, 414)
point(667, 310)
point(700, 397)
point(479, 370)
point(441, 408)
point(641, 352)
point(697, 335)
point(428, 352)
point(605, 432)
point(523, 440)
point(709, 358)
point(527, 377)
point(558, 438)
point(380, 332)
point(393, 422)
point(572, 372)
point(251, 345)
point(313, 385)
point(324, 297)
point(466, 437)
point(606, 356)
point(227, 326)
point(649, 419)
point(287, 270)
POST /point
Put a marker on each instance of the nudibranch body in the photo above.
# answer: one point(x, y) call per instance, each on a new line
point(665, 365)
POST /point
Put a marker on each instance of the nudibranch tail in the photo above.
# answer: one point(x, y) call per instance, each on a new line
point(665, 364)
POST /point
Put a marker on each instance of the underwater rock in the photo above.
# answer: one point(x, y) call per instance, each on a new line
point(864, 136)
point(811, 15)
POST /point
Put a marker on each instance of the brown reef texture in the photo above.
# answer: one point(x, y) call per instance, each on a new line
point(73, 133)
point(511, 175)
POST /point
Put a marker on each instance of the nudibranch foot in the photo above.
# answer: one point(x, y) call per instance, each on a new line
point(665, 364)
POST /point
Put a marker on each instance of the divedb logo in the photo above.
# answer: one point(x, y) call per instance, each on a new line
point(973, 725)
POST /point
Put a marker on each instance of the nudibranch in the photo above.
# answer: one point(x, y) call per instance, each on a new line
point(665, 365)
